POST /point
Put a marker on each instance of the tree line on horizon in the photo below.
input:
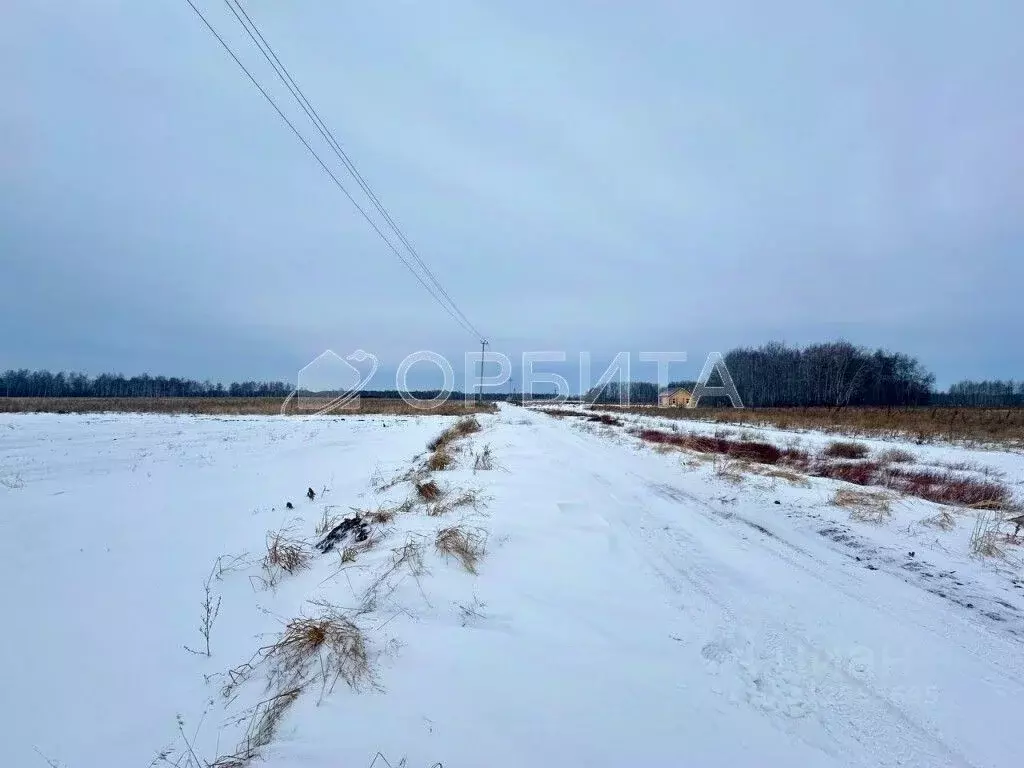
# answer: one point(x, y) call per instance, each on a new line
point(43, 383)
point(831, 374)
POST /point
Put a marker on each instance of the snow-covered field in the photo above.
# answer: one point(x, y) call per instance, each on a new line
point(631, 608)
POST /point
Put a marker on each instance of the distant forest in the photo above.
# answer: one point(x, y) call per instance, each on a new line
point(833, 374)
point(26, 383)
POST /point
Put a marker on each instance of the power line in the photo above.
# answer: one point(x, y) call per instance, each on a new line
point(328, 135)
point(463, 323)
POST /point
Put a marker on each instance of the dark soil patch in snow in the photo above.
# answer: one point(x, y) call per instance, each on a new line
point(354, 527)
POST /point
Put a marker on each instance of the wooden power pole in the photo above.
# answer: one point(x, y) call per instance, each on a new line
point(480, 392)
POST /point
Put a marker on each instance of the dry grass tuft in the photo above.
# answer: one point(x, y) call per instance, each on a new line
point(348, 554)
point(264, 720)
point(467, 545)
point(897, 456)
point(470, 498)
point(440, 459)
point(286, 554)
point(846, 449)
point(384, 515)
point(483, 461)
point(865, 506)
point(428, 490)
point(459, 429)
point(781, 473)
point(986, 535)
point(944, 520)
point(380, 485)
point(664, 448)
point(441, 447)
point(407, 557)
point(330, 518)
point(329, 646)
point(730, 470)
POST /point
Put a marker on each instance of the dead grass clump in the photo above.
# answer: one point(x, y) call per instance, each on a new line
point(384, 515)
point(483, 461)
point(459, 429)
point(440, 459)
point(664, 448)
point(730, 470)
point(428, 490)
point(348, 554)
point(286, 554)
point(846, 449)
point(986, 535)
point(264, 720)
point(944, 520)
point(781, 473)
point(380, 485)
point(469, 498)
point(603, 418)
point(329, 646)
point(467, 545)
point(407, 557)
point(897, 456)
point(865, 506)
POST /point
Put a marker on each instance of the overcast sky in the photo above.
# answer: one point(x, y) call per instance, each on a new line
point(598, 176)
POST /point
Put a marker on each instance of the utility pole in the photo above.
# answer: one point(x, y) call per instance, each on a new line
point(480, 393)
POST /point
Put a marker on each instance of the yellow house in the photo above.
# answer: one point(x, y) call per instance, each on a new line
point(674, 398)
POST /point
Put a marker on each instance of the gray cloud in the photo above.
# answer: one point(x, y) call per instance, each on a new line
point(590, 176)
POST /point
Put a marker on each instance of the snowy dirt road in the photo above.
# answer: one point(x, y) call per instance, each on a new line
point(627, 612)
point(783, 647)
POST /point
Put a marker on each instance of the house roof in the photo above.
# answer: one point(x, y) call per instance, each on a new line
point(673, 391)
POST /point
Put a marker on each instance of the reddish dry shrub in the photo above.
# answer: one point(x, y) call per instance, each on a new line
point(760, 453)
point(795, 458)
point(858, 473)
point(897, 456)
point(947, 488)
point(940, 487)
point(846, 449)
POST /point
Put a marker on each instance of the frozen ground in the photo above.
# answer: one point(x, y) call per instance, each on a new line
point(631, 609)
